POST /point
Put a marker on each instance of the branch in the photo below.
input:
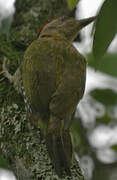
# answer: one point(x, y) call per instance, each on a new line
point(24, 148)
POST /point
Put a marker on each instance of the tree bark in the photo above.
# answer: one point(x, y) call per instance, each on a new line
point(21, 144)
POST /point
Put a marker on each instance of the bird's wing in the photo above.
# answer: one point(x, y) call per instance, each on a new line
point(70, 82)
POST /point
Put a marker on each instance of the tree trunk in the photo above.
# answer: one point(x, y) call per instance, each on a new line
point(20, 144)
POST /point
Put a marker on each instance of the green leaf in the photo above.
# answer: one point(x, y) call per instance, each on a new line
point(105, 96)
point(5, 26)
point(105, 28)
point(105, 119)
point(3, 163)
point(72, 3)
point(114, 147)
point(108, 65)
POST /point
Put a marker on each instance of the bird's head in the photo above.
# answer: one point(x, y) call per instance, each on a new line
point(67, 27)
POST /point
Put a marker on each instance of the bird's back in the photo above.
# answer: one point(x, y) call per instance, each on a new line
point(49, 62)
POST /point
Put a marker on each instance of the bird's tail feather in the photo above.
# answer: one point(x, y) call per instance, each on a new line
point(59, 146)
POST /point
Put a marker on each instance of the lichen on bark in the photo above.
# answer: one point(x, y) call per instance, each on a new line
point(24, 148)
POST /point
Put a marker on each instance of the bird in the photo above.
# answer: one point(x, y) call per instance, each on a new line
point(52, 79)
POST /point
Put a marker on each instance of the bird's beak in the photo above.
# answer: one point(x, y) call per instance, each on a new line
point(85, 22)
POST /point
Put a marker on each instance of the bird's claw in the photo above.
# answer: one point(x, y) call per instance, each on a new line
point(4, 73)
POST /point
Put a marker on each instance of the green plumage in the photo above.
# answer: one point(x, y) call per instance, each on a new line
point(53, 74)
point(52, 78)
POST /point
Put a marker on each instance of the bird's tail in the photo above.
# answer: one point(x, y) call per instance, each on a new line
point(58, 142)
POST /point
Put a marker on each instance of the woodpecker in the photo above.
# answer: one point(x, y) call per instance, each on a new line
point(53, 75)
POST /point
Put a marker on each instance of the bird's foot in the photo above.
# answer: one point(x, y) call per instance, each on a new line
point(4, 73)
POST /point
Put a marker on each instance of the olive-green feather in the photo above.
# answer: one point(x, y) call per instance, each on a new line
point(53, 77)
